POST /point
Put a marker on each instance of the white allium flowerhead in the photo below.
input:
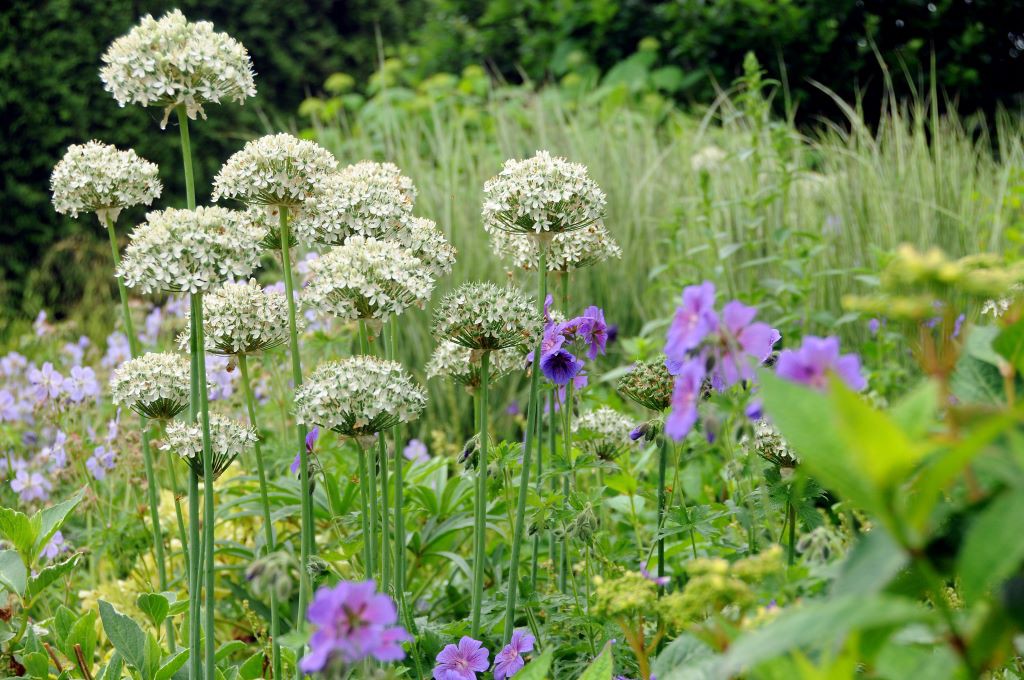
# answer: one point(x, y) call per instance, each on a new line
point(708, 159)
point(648, 384)
point(485, 316)
point(274, 170)
point(604, 431)
point(243, 318)
point(367, 279)
point(422, 237)
point(567, 251)
point(462, 365)
point(171, 62)
point(228, 440)
point(155, 385)
point(365, 199)
point(268, 219)
point(100, 178)
point(542, 195)
point(190, 250)
point(359, 396)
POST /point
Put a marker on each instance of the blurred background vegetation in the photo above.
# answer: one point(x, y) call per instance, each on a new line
point(633, 88)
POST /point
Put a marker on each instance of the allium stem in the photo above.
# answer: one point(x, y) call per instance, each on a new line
point(385, 512)
point(538, 482)
point(208, 500)
point(268, 524)
point(531, 437)
point(563, 549)
point(186, 157)
point(152, 487)
point(364, 515)
point(371, 487)
point(480, 524)
point(399, 491)
point(791, 518)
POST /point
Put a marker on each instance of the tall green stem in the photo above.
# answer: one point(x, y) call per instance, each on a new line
point(662, 467)
point(385, 514)
point(531, 436)
point(480, 531)
point(563, 554)
point(186, 158)
point(399, 491)
point(538, 482)
point(364, 515)
point(147, 454)
point(268, 524)
point(208, 500)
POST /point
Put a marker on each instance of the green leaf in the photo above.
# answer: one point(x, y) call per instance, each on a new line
point(151, 659)
point(83, 633)
point(13, 574)
point(252, 668)
point(994, 546)
point(63, 620)
point(126, 635)
point(684, 653)
point(1009, 344)
point(37, 665)
point(51, 519)
point(538, 668)
point(172, 665)
point(601, 668)
point(112, 671)
point(19, 530)
point(52, 573)
point(915, 411)
point(155, 606)
point(229, 648)
point(874, 561)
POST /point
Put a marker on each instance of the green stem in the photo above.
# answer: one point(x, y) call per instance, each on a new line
point(791, 519)
point(662, 468)
point(539, 487)
point(208, 500)
point(371, 487)
point(385, 515)
point(186, 156)
point(364, 515)
point(563, 555)
point(268, 523)
point(480, 529)
point(399, 492)
point(524, 480)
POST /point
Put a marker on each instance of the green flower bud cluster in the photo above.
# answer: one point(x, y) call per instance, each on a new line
point(625, 595)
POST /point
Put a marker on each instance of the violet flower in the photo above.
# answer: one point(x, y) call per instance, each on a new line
point(46, 382)
point(55, 546)
point(816, 358)
point(416, 451)
point(657, 580)
point(509, 660)
point(100, 462)
point(685, 396)
point(594, 331)
point(743, 337)
point(560, 366)
point(81, 383)
point(31, 486)
point(462, 661)
point(693, 320)
point(311, 438)
point(10, 410)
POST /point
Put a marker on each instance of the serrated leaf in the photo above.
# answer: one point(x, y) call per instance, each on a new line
point(155, 606)
point(13, 575)
point(601, 667)
point(125, 635)
point(538, 668)
point(50, 574)
point(994, 546)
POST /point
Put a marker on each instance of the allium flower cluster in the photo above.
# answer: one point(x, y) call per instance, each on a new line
point(359, 396)
point(365, 199)
point(228, 440)
point(462, 365)
point(243, 318)
point(100, 178)
point(541, 195)
point(173, 62)
point(354, 622)
point(486, 317)
point(564, 341)
point(424, 240)
point(567, 251)
point(699, 337)
point(155, 385)
point(190, 250)
point(605, 431)
point(649, 384)
point(367, 279)
point(274, 170)
point(816, 359)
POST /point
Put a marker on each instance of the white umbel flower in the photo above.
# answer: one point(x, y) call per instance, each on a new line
point(359, 396)
point(100, 178)
point(155, 385)
point(422, 237)
point(190, 250)
point(228, 440)
point(364, 199)
point(274, 170)
point(462, 365)
point(567, 251)
point(172, 62)
point(243, 318)
point(367, 279)
point(542, 195)
point(486, 317)
point(603, 431)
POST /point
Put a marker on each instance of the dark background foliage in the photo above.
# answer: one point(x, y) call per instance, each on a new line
point(52, 97)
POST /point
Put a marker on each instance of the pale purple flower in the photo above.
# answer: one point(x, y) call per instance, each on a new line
point(177, 306)
point(578, 383)
point(31, 486)
point(509, 660)
point(75, 352)
point(118, 350)
point(40, 325)
point(958, 325)
point(416, 451)
point(685, 396)
point(462, 661)
point(594, 331)
point(693, 320)
point(46, 382)
point(55, 546)
point(55, 453)
point(815, 360)
point(100, 462)
point(219, 379)
point(658, 580)
point(354, 622)
point(742, 338)
point(151, 327)
point(81, 383)
point(10, 409)
point(551, 341)
point(12, 364)
point(874, 325)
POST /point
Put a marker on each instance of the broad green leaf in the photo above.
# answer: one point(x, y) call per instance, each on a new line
point(52, 573)
point(112, 671)
point(874, 560)
point(1009, 344)
point(538, 668)
point(229, 648)
point(37, 665)
point(994, 546)
point(601, 667)
point(915, 411)
point(252, 668)
point(151, 660)
point(19, 530)
point(51, 519)
point(63, 620)
point(685, 652)
point(13, 574)
point(155, 606)
point(125, 635)
point(83, 633)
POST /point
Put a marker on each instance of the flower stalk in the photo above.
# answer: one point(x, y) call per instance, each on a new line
point(480, 518)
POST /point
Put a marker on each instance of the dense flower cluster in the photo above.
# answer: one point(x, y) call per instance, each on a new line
point(567, 251)
point(486, 316)
point(359, 396)
point(228, 440)
point(243, 318)
point(605, 431)
point(649, 384)
point(543, 194)
point(462, 365)
point(173, 62)
point(190, 250)
point(366, 199)
point(156, 385)
point(100, 178)
point(424, 240)
point(274, 170)
point(367, 279)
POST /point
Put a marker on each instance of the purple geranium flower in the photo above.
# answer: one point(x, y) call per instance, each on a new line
point(12, 363)
point(659, 580)
point(311, 438)
point(31, 486)
point(55, 546)
point(509, 660)
point(560, 366)
point(594, 331)
point(693, 320)
point(81, 383)
point(46, 382)
point(816, 358)
point(416, 451)
point(118, 350)
point(461, 662)
point(10, 410)
point(743, 338)
point(685, 396)
point(353, 622)
point(100, 462)
point(874, 325)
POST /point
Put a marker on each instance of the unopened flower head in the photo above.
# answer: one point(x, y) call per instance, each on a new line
point(156, 385)
point(366, 199)
point(228, 440)
point(485, 316)
point(190, 250)
point(769, 444)
point(172, 62)
point(648, 384)
point(359, 396)
point(243, 318)
point(462, 365)
point(100, 178)
point(542, 195)
point(422, 237)
point(603, 431)
point(567, 251)
point(274, 170)
point(367, 279)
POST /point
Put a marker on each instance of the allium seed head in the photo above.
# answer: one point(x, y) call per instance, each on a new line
point(100, 178)
point(274, 170)
point(485, 316)
point(648, 384)
point(155, 385)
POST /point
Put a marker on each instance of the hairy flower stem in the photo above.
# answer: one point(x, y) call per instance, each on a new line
point(268, 524)
point(152, 487)
point(531, 439)
point(208, 500)
point(480, 523)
